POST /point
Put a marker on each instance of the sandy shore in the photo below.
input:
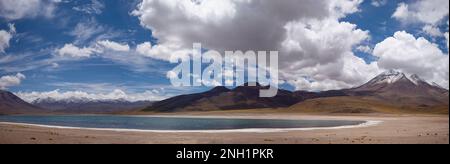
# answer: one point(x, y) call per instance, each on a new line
point(404, 129)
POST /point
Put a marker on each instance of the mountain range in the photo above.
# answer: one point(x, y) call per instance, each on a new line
point(11, 104)
point(85, 105)
point(222, 98)
point(389, 92)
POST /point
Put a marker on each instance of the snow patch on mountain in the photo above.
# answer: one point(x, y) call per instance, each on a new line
point(77, 100)
point(80, 96)
point(416, 79)
point(388, 77)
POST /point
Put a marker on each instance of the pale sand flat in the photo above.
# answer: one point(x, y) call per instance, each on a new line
point(403, 129)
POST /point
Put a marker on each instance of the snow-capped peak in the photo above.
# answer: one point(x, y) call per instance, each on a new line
point(391, 73)
point(389, 77)
point(78, 100)
point(392, 76)
point(65, 100)
point(416, 79)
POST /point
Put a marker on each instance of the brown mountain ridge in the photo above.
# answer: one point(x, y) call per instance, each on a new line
point(390, 92)
point(11, 104)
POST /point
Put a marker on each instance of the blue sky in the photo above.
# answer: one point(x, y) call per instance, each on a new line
point(33, 49)
point(37, 37)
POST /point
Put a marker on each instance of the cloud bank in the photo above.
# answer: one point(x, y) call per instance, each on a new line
point(414, 56)
point(430, 13)
point(315, 47)
point(151, 95)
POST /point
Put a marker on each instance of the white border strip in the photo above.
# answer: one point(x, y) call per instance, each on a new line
point(256, 130)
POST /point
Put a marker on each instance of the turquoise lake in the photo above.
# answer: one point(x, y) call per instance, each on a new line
point(171, 123)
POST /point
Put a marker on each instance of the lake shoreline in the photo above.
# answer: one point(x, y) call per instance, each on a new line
point(432, 129)
point(360, 124)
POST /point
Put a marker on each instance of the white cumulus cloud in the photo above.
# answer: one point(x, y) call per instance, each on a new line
point(414, 56)
point(11, 80)
point(113, 45)
point(100, 47)
point(71, 50)
point(160, 51)
point(312, 40)
point(423, 11)
point(318, 52)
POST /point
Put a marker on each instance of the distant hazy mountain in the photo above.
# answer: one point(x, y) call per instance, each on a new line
point(11, 104)
point(85, 105)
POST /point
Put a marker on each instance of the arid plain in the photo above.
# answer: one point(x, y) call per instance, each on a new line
point(391, 129)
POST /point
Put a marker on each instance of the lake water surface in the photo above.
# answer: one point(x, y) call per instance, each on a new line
point(172, 123)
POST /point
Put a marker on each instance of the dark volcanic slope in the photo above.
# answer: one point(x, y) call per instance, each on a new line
point(179, 102)
point(221, 98)
point(11, 104)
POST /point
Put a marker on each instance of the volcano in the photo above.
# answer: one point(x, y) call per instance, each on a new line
point(396, 87)
point(11, 104)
